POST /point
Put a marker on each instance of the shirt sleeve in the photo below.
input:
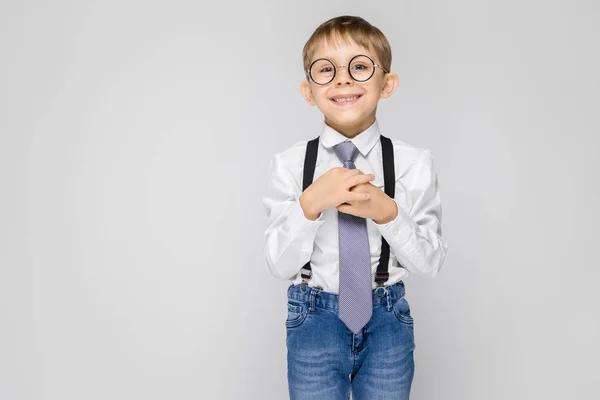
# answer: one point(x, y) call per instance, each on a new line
point(415, 236)
point(289, 236)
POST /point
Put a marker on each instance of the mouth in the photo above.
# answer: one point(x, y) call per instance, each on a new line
point(345, 99)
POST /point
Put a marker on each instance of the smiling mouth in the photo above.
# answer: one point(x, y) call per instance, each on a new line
point(343, 100)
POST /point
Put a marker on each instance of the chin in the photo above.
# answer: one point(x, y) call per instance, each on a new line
point(347, 120)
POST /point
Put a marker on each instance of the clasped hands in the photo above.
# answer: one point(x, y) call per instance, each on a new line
point(349, 191)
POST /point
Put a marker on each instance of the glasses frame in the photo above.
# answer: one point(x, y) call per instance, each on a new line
point(347, 67)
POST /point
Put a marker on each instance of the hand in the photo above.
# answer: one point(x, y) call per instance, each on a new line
point(333, 188)
point(380, 207)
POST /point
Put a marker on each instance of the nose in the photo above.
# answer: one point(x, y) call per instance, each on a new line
point(343, 76)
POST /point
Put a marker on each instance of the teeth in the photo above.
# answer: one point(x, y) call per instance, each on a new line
point(345, 99)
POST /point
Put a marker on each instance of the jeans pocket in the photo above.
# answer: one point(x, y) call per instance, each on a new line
point(296, 313)
point(401, 310)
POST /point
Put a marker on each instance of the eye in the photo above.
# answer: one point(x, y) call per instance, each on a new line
point(327, 69)
point(359, 67)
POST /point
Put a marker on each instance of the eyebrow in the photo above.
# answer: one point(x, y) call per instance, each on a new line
point(335, 62)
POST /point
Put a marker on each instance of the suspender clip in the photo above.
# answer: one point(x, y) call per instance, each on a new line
point(306, 274)
point(305, 278)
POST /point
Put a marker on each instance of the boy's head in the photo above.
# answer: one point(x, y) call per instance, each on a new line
point(335, 43)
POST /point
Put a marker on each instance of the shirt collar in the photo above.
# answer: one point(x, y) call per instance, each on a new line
point(364, 141)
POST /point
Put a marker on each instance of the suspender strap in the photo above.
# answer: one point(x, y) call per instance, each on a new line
point(389, 178)
point(310, 160)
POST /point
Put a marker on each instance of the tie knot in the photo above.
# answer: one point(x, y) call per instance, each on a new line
point(347, 153)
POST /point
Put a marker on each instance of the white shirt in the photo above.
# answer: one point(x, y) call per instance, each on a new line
point(291, 239)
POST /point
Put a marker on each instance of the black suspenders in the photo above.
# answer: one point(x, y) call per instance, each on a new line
point(389, 178)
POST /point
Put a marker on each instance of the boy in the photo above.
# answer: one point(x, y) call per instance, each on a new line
point(351, 214)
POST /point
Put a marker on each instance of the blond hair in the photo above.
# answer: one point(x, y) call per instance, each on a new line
point(348, 28)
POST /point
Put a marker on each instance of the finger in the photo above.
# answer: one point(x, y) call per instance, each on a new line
point(350, 210)
point(352, 172)
point(358, 179)
point(358, 196)
point(344, 208)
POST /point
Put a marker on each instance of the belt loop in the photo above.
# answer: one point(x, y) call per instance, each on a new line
point(389, 300)
point(311, 302)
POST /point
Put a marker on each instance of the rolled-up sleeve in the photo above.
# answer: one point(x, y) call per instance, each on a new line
point(415, 235)
point(289, 236)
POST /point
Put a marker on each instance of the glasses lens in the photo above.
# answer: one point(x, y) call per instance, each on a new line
point(322, 71)
point(362, 68)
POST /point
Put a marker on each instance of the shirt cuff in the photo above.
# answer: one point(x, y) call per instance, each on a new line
point(400, 228)
point(300, 225)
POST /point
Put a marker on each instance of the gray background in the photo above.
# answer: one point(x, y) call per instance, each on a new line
point(134, 152)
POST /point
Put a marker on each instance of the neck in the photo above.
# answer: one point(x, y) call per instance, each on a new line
point(351, 131)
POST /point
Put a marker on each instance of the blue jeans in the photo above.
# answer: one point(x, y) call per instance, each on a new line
point(326, 361)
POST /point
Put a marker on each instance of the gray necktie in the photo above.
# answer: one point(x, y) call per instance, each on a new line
point(355, 293)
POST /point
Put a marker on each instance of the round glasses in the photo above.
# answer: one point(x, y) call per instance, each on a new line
point(360, 68)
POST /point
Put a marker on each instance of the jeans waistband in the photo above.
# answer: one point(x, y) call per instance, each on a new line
point(382, 296)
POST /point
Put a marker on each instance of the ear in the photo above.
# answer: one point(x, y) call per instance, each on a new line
point(390, 83)
point(306, 92)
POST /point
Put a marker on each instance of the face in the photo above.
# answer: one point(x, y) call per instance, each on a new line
point(349, 117)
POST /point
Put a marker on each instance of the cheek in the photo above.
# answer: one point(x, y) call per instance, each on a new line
point(371, 99)
point(320, 96)
point(323, 102)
